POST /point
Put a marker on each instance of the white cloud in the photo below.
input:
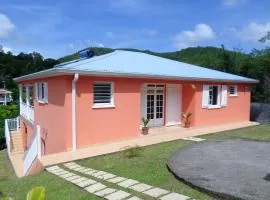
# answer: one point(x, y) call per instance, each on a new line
point(150, 32)
point(251, 33)
point(233, 3)
point(6, 26)
point(6, 49)
point(201, 32)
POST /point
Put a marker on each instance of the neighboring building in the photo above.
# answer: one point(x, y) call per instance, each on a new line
point(103, 98)
point(5, 97)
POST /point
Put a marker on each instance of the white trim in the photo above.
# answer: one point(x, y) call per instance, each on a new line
point(104, 105)
point(74, 123)
point(235, 89)
point(61, 71)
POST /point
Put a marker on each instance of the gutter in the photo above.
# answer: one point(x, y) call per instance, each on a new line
point(74, 120)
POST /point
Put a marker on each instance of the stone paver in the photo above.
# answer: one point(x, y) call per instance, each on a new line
point(86, 183)
point(105, 192)
point(117, 179)
point(134, 198)
point(174, 196)
point(131, 184)
point(127, 183)
point(81, 179)
point(72, 178)
point(195, 139)
point(94, 188)
point(92, 172)
point(119, 195)
point(107, 176)
point(140, 187)
point(99, 173)
point(156, 192)
point(67, 175)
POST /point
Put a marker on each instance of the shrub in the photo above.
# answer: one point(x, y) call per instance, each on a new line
point(131, 151)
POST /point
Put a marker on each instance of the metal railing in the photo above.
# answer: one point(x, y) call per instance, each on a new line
point(27, 111)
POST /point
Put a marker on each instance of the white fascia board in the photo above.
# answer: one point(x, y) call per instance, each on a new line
point(61, 71)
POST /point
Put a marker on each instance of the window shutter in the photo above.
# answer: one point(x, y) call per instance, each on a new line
point(36, 91)
point(219, 96)
point(224, 95)
point(39, 91)
point(205, 96)
point(46, 92)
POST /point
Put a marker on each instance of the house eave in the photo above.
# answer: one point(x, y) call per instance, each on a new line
point(60, 71)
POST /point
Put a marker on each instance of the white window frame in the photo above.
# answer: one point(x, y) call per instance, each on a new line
point(104, 105)
point(235, 91)
point(210, 106)
point(42, 92)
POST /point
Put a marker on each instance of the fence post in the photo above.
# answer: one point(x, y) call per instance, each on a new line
point(38, 141)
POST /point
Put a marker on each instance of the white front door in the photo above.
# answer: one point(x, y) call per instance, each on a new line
point(153, 104)
point(173, 104)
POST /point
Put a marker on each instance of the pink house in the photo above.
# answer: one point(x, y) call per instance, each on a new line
point(101, 99)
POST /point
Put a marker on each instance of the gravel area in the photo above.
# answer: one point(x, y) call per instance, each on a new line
point(232, 169)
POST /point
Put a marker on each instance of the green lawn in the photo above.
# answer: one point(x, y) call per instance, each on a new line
point(149, 168)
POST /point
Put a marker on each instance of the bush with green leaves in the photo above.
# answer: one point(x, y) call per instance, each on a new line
point(131, 151)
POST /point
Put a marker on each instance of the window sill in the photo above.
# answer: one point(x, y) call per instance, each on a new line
point(233, 95)
point(42, 102)
point(103, 106)
point(214, 107)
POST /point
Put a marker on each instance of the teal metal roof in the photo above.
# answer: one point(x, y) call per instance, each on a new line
point(122, 63)
point(137, 63)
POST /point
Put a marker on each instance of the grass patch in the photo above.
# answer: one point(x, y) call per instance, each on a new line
point(149, 167)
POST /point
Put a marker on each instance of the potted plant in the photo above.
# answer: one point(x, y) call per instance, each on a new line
point(186, 119)
point(145, 128)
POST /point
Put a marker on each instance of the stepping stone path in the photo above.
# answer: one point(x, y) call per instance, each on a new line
point(131, 184)
point(195, 139)
point(90, 185)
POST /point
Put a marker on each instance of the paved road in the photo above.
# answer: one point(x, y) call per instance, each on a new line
point(235, 169)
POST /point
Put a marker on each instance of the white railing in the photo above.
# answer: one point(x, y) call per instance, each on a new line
point(14, 124)
point(11, 125)
point(33, 152)
point(27, 111)
point(7, 136)
point(8, 99)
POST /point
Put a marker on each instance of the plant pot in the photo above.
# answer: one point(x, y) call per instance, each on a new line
point(187, 125)
point(145, 130)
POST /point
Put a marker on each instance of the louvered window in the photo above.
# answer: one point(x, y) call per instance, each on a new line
point(103, 94)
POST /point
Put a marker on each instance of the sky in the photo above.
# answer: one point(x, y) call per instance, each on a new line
point(56, 28)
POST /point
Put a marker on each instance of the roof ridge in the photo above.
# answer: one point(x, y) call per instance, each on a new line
point(93, 59)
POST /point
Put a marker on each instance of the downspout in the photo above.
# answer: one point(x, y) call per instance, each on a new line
point(74, 133)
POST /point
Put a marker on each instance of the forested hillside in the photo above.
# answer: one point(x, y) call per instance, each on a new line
point(254, 65)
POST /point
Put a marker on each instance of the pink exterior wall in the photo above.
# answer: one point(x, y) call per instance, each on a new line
point(237, 109)
point(54, 117)
point(96, 125)
point(99, 125)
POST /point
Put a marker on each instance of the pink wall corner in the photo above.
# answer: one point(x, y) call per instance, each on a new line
point(54, 117)
point(188, 100)
point(237, 109)
point(97, 125)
